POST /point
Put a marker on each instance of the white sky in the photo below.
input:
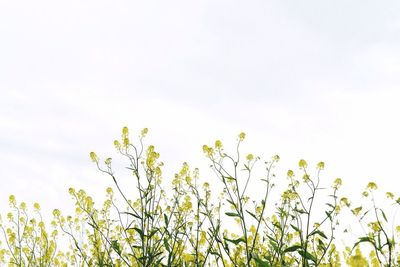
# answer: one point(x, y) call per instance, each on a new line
point(305, 79)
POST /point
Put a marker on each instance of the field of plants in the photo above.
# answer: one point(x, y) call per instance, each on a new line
point(291, 221)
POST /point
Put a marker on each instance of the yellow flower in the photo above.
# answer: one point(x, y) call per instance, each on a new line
point(344, 201)
point(144, 132)
point(242, 136)
point(290, 173)
point(372, 186)
point(250, 157)
point(56, 213)
point(357, 211)
point(108, 161)
point(303, 164)
point(321, 165)
point(125, 131)
point(71, 191)
point(374, 226)
point(36, 206)
point(94, 157)
point(389, 195)
point(306, 177)
point(337, 183)
point(22, 206)
point(218, 144)
point(208, 150)
point(12, 200)
point(253, 229)
point(126, 142)
point(117, 144)
point(109, 190)
point(276, 158)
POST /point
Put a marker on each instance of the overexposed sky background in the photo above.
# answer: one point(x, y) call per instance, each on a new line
point(318, 80)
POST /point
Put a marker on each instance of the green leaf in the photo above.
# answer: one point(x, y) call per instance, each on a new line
point(320, 233)
point(295, 228)
point(235, 241)
point(260, 262)
point(362, 240)
point(301, 211)
point(292, 248)
point(166, 219)
point(140, 232)
point(232, 214)
point(307, 255)
point(132, 214)
point(384, 216)
point(115, 246)
point(252, 215)
point(229, 178)
point(153, 232)
point(166, 245)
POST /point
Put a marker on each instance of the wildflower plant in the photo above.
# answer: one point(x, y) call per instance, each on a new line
point(184, 223)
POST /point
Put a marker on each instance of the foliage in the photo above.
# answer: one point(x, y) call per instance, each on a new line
point(185, 225)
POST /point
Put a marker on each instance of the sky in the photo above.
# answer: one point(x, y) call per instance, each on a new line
point(318, 80)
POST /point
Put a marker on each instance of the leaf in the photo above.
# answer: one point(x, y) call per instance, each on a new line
point(321, 245)
point(260, 262)
point(252, 215)
point(229, 178)
point(307, 255)
point(166, 219)
point(362, 240)
point(230, 202)
point(328, 214)
point(215, 254)
point(153, 232)
point(235, 241)
point(166, 245)
point(115, 245)
point(384, 216)
point(295, 228)
point(301, 211)
point(132, 214)
point(292, 248)
point(232, 214)
point(320, 233)
point(137, 230)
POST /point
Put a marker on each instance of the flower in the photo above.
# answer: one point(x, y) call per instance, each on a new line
point(372, 186)
point(303, 164)
point(337, 183)
point(108, 161)
point(144, 132)
point(320, 165)
point(218, 144)
point(250, 157)
point(357, 211)
point(344, 201)
point(389, 195)
point(117, 144)
point(125, 131)
point(36, 206)
point(12, 200)
point(208, 150)
point(109, 190)
point(242, 136)
point(56, 213)
point(94, 157)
